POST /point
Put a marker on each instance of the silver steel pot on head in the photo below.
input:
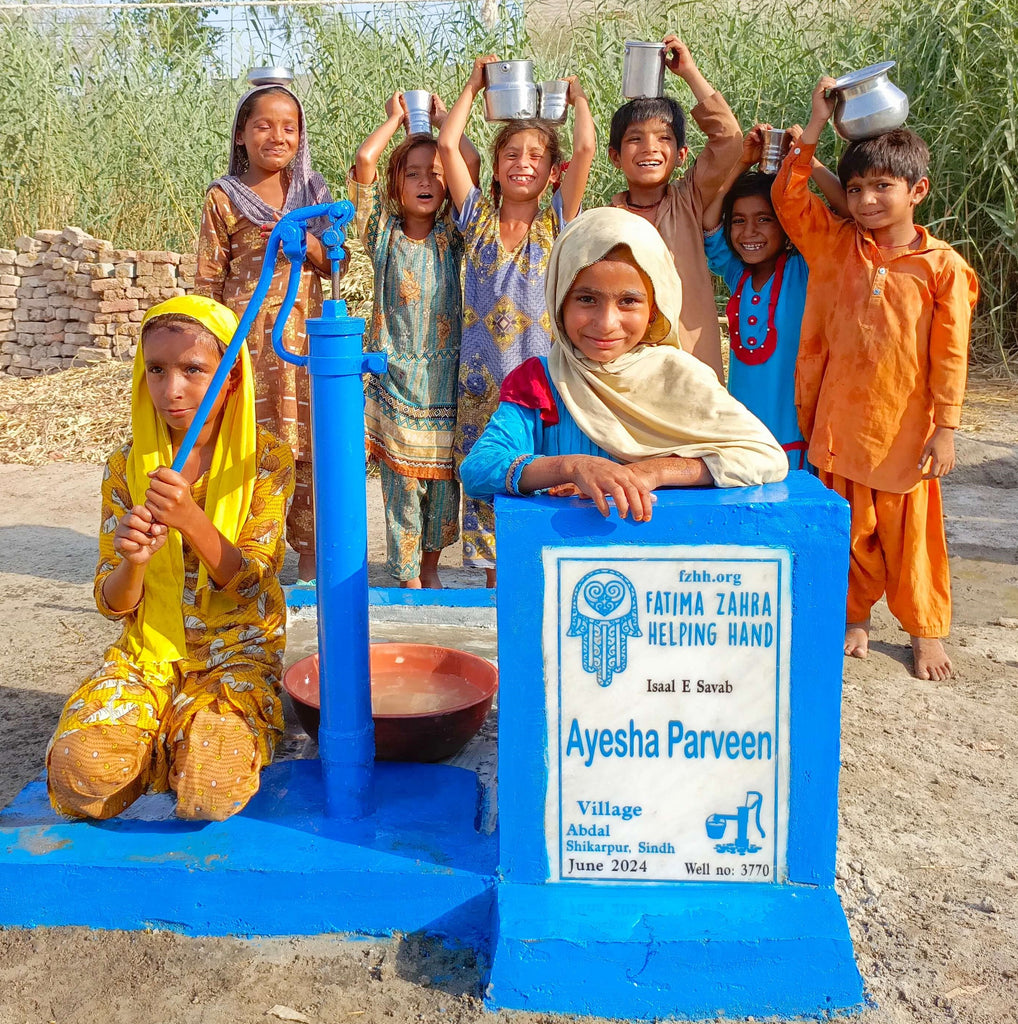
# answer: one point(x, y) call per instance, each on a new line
point(868, 103)
point(510, 93)
point(270, 75)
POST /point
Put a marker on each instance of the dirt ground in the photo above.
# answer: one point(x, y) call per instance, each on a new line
point(927, 861)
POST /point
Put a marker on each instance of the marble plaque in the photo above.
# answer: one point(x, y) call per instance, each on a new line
point(667, 686)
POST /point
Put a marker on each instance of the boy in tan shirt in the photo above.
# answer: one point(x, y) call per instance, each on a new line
point(648, 142)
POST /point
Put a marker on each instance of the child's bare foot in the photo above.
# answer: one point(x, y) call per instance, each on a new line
point(429, 570)
point(929, 658)
point(414, 584)
point(489, 578)
point(857, 639)
point(306, 566)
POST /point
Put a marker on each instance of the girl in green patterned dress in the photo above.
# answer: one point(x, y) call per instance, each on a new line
point(410, 410)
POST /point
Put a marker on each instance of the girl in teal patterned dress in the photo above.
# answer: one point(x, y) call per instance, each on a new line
point(410, 411)
point(507, 239)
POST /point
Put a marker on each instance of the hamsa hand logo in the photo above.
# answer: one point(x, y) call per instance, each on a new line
point(604, 614)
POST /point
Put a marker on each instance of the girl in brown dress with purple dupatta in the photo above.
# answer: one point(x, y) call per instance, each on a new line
point(270, 174)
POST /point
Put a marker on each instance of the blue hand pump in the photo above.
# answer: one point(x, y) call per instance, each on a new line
point(336, 362)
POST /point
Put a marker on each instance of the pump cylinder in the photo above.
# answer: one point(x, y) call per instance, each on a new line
point(346, 737)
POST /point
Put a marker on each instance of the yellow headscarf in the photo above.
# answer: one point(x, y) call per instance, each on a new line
point(158, 633)
point(655, 400)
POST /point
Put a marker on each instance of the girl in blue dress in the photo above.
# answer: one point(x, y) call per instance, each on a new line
point(617, 409)
point(767, 278)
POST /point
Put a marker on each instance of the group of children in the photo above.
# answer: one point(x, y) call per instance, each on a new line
point(581, 354)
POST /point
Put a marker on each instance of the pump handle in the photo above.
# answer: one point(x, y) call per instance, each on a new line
point(291, 227)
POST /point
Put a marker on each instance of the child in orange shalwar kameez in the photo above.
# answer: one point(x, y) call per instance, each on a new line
point(881, 373)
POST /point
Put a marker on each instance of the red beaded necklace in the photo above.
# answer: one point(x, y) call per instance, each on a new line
point(752, 351)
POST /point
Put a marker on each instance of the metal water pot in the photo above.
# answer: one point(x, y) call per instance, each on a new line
point(274, 75)
point(510, 93)
point(643, 70)
point(868, 103)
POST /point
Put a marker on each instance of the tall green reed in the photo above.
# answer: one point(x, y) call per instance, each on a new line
point(99, 128)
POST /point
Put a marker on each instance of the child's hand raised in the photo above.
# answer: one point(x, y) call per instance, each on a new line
point(575, 90)
point(752, 145)
point(169, 499)
point(137, 536)
point(438, 110)
point(823, 103)
point(394, 107)
point(476, 80)
point(678, 59)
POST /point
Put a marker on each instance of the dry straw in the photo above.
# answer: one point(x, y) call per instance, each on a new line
point(75, 416)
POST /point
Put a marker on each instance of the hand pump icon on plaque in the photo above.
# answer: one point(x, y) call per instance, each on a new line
point(717, 824)
point(604, 614)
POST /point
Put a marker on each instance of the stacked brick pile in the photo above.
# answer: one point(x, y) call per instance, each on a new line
point(75, 299)
point(9, 281)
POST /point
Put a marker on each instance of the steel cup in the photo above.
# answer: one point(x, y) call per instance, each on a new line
point(418, 111)
point(553, 100)
point(773, 150)
point(643, 70)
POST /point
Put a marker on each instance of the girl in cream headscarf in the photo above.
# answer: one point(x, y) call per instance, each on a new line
point(618, 408)
point(188, 698)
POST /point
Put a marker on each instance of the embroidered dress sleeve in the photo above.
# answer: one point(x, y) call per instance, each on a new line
point(116, 501)
point(957, 291)
point(213, 247)
point(720, 258)
point(370, 214)
point(261, 538)
point(467, 219)
point(509, 443)
point(453, 235)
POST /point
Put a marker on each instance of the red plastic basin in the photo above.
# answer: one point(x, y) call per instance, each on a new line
point(426, 702)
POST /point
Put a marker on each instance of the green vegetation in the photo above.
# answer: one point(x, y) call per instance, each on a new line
point(117, 123)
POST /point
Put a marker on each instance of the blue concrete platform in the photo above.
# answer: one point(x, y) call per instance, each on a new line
point(418, 863)
point(298, 596)
point(703, 951)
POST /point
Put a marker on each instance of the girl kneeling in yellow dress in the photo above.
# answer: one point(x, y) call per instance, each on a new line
point(188, 698)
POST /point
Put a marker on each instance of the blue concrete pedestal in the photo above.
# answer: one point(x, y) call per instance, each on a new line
point(721, 620)
point(710, 950)
point(280, 867)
